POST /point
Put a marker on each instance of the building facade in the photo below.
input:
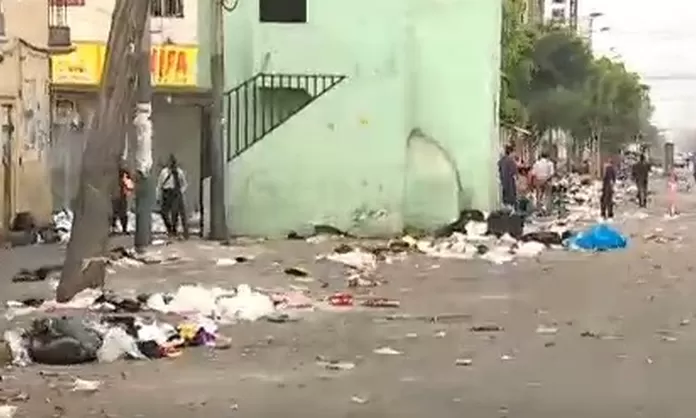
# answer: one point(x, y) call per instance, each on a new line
point(337, 115)
point(561, 12)
point(178, 102)
point(24, 109)
point(535, 11)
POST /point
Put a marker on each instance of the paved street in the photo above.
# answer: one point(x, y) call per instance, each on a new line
point(624, 344)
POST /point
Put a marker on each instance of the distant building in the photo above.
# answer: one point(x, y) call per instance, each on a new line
point(561, 12)
point(26, 44)
point(535, 11)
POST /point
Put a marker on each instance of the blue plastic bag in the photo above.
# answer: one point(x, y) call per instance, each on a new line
point(599, 237)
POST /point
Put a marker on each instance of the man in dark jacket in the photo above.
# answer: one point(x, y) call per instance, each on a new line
point(640, 173)
point(607, 199)
point(507, 170)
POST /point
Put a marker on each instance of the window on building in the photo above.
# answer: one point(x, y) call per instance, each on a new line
point(559, 1)
point(167, 8)
point(283, 11)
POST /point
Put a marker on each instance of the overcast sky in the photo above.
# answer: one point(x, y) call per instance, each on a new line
point(658, 40)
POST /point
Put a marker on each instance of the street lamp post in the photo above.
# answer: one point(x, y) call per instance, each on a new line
point(592, 17)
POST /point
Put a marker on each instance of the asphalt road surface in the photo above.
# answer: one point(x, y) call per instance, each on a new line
point(581, 335)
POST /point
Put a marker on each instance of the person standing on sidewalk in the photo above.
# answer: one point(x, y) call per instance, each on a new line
point(606, 202)
point(507, 170)
point(542, 173)
point(640, 173)
point(119, 202)
point(672, 191)
point(171, 188)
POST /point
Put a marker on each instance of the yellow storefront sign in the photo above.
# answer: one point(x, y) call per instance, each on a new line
point(174, 66)
point(171, 65)
point(83, 66)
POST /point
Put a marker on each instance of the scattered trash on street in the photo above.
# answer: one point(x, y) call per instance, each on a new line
point(81, 385)
point(387, 351)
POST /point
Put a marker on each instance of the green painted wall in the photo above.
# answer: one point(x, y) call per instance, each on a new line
point(405, 140)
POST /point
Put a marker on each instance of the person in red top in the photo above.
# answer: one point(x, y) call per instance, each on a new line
point(119, 203)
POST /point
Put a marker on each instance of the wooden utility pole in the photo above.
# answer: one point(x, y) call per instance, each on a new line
point(85, 262)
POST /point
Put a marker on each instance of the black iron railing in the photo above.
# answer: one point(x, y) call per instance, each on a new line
point(264, 102)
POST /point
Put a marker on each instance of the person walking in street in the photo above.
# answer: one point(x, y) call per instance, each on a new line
point(171, 188)
point(507, 170)
point(543, 171)
point(606, 202)
point(672, 190)
point(640, 173)
point(119, 202)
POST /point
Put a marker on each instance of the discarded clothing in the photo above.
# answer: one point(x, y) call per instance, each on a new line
point(599, 237)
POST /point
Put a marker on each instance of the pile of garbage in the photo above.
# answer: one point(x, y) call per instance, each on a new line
point(223, 306)
point(63, 220)
point(111, 327)
point(74, 339)
point(26, 231)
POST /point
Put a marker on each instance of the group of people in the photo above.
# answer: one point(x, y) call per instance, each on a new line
point(171, 189)
point(519, 184)
point(523, 187)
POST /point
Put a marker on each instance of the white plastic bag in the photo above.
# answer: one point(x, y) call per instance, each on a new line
point(118, 344)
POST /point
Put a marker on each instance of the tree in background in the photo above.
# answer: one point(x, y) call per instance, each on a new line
point(550, 80)
point(518, 41)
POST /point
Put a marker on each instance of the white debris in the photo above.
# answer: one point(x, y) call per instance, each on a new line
point(530, 249)
point(18, 348)
point(357, 259)
point(499, 255)
point(476, 230)
point(81, 385)
point(83, 300)
point(225, 262)
point(464, 362)
point(223, 305)
point(7, 411)
point(546, 330)
point(117, 344)
point(247, 305)
point(387, 351)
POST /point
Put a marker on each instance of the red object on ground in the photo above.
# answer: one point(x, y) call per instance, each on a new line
point(341, 299)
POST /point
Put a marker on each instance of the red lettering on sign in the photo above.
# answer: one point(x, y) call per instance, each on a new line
point(169, 63)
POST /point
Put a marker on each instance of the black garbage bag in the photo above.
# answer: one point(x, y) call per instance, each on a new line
point(504, 222)
point(545, 237)
point(63, 341)
point(23, 221)
point(548, 238)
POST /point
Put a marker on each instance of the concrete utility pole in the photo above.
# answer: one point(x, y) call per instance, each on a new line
point(85, 261)
point(144, 187)
point(218, 219)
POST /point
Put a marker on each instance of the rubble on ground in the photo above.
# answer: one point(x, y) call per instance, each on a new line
point(25, 230)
